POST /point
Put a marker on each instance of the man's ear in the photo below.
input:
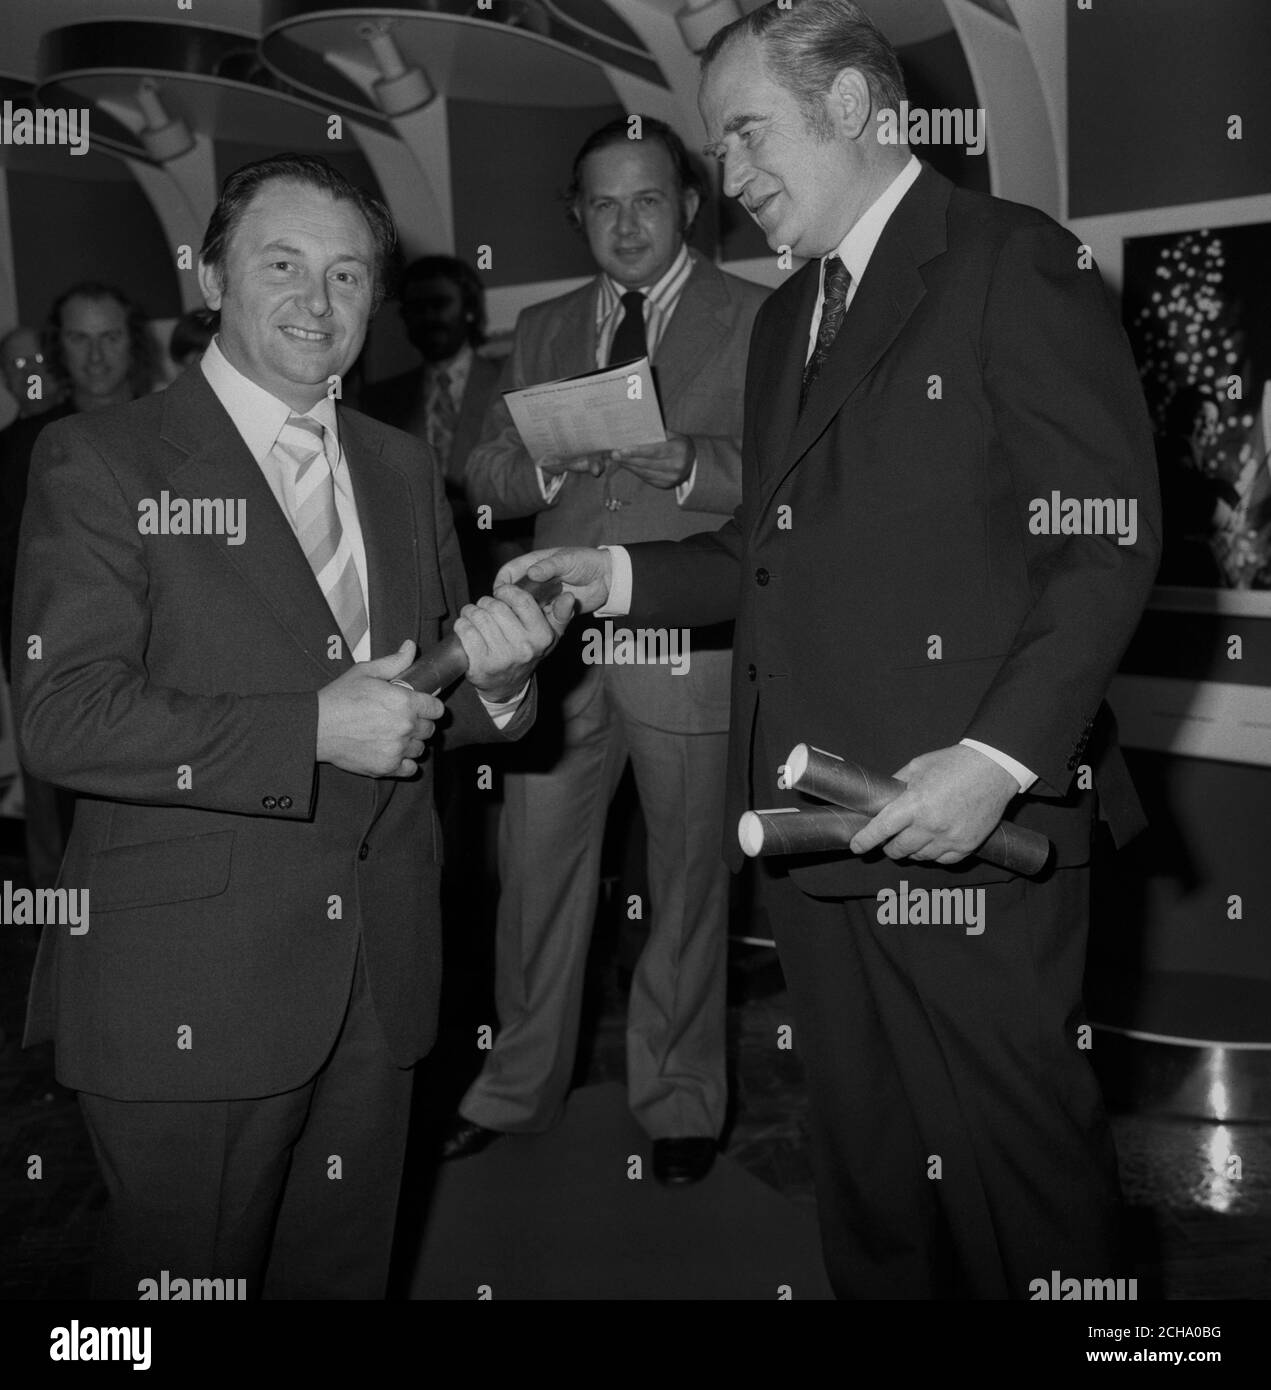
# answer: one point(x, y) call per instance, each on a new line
point(210, 285)
point(849, 102)
point(690, 201)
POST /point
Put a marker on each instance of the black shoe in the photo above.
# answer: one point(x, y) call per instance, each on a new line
point(464, 1138)
point(677, 1162)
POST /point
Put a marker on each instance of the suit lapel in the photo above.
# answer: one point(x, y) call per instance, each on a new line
point(213, 461)
point(384, 509)
point(571, 346)
point(890, 290)
point(700, 319)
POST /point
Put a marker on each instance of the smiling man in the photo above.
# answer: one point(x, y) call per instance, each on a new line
point(255, 832)
point(635, 196)
point(941, 359)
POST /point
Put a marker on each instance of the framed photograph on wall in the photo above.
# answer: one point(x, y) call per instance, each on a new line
point(1197, 308)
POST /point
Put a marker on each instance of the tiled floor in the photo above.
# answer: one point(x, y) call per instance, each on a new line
point(1198, 1232)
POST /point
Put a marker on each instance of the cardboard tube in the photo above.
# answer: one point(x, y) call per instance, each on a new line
point(790, 830)
point(831, 778)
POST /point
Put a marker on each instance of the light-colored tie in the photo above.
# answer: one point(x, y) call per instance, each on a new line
point(301, 448)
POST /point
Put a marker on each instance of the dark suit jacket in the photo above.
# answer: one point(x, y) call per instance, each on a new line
point(883, 517)
point(700, 364)
point(399, 401)
point(230, 876)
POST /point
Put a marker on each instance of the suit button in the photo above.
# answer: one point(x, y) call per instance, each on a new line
point(762, 576)
point(751, 673)
point(364, 851)
point(285, 803)
point(268, 802)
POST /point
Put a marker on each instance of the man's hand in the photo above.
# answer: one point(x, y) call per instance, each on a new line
point(506, 635)
point(665, 465)
point(585, 574)
point(579, 463)
point(367, 726)
point(953, 800)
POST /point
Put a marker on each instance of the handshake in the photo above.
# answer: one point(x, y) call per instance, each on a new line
point(372, 723)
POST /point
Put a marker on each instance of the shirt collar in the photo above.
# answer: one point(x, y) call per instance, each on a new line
point(257, 415)
point(858, 245)
point(611, 291)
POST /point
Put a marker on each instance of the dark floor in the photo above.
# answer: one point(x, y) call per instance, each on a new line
point(1198, 1232)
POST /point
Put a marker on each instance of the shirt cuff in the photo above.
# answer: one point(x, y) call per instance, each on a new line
point(502, 712)
point(549, 487)
point(1017, 770)
point(618, 604)
point(682, 492)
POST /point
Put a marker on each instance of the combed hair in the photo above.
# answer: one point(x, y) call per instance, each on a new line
point(617, 132)
point(312, 171)
point(807, 45)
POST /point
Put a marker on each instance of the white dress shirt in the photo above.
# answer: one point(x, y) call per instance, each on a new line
point(259, 417)
point(854, 251)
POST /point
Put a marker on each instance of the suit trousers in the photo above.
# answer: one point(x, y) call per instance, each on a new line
point(295, 1193)
point(959, 1142)
point(550, 840)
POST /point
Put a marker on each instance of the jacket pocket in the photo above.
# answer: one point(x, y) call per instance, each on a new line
point(162, 871)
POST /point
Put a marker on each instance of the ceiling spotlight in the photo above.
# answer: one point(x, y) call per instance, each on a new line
point(165, 137)
point(399, 88)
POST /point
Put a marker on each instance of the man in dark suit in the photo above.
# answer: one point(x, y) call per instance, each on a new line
point(636, 200)
point(942, 362)
point(216, 587)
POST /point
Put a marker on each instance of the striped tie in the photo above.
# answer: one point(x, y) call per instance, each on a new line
point(301, 449)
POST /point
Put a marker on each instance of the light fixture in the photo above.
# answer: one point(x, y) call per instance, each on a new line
point(399, 88)
point(165, 137)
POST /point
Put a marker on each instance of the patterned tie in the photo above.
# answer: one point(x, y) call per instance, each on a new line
point(442, 417)
point(838, 280)
point(301, 448)
point(629, 341)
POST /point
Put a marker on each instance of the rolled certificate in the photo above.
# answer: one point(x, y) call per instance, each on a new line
point(447, 661)
point(831, 778)
point(793, 830)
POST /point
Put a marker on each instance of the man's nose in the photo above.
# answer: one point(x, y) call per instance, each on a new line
point(737, 173)
point(316, 295)
point(627, 219)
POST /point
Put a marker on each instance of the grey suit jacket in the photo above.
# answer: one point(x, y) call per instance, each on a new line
point(700, 367)
point(171, 680)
